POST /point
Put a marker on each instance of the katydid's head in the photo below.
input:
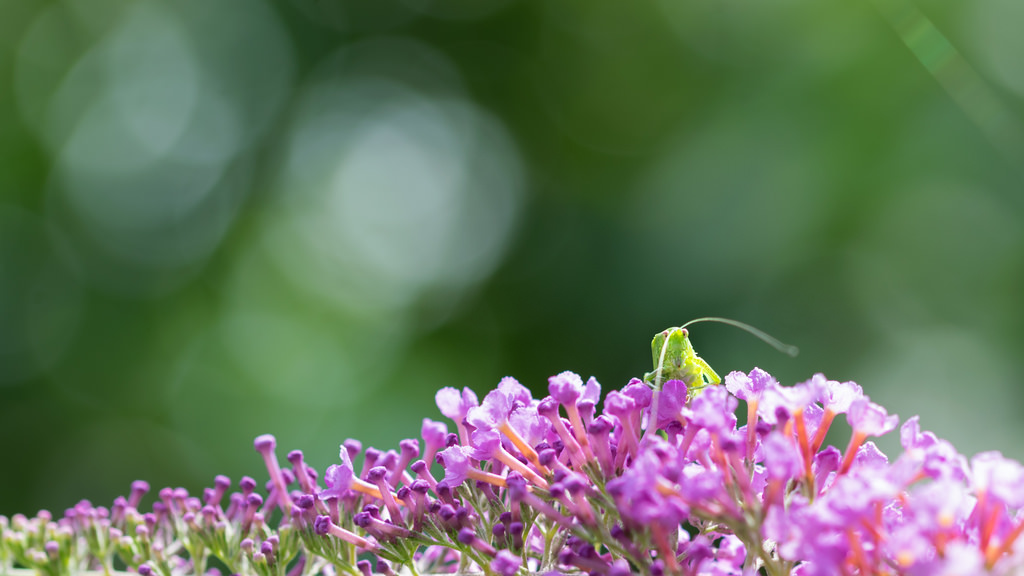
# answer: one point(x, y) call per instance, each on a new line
point(675, 359)
point(673, 344)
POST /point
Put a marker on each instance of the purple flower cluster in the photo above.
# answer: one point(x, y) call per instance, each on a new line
point(661, 481)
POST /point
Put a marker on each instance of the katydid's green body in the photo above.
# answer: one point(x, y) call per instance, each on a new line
point(675, 359)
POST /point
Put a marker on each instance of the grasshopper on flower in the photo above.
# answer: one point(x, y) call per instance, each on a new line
point(675, 359)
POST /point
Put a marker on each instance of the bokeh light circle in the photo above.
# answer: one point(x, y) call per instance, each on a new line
point(393, 188)
point(149, 119)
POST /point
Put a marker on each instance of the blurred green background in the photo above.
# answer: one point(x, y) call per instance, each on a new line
point(221, 218)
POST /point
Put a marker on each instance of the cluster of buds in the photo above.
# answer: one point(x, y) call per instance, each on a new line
point(662, 481)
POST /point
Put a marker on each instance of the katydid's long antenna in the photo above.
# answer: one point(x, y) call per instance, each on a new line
point(787, 349)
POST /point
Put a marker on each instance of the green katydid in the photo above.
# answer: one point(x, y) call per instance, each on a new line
point(675, 358)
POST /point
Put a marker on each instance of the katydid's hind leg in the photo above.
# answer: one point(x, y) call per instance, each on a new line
point(712, 376)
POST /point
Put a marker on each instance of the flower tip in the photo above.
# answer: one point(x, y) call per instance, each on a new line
point(446, 512)
point(516, 485)
point(265, 443)
point(601, 425)
point(547, 456)
point(548, 406)
point(376, 474)
point(352, 446)
point(506, 563)
point(451, 440)
point(410, 446)
point(566, 387)
point(305, 501)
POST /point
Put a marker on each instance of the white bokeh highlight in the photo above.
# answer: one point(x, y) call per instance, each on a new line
point(391, 192)
point(148, 118)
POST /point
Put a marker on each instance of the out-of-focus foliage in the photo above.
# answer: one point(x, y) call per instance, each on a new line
point(223, 218)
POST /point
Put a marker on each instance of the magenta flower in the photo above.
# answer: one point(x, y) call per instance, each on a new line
point(836, 398)
point(325, 526)
point(548, 408)
point(643, 494)
point(265, 445)
point(936, 458)
point(487, 446)
point(529, 488)
point(458, 467)
point(640, 392)
point(867, 419)
point(629, 416)
point(494, 412)
point(781, 457)
point(713, 410)
point(340, 478)
point(996, 477)
point(671, 403)
point(434, 434)
point(566, 388)
point(506, 563)
point(517, 394)
point(456, 406)
point(790, 400)
point(870, 419)
point(750, 388)
point(529, 425)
